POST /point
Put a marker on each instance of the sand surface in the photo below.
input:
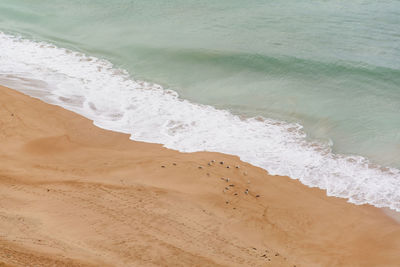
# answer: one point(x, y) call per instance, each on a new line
point(72, 194)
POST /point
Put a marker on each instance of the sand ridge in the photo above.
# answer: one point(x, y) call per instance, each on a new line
point(75, 195)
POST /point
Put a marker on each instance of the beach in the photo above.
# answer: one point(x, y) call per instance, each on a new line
point(199, 133)
point(73, 194)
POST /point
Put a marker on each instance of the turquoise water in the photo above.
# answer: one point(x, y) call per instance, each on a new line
point(334, 66)
point(331, 66)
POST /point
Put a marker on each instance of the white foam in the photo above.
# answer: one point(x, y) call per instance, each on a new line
point(109, 96)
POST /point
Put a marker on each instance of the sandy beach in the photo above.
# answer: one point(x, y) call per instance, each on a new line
point(72, 194)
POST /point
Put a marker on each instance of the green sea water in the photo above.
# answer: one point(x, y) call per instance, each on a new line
point(333, 66)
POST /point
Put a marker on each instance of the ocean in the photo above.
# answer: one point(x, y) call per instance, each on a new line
point(308, 89)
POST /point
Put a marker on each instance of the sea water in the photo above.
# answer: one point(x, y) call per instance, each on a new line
point(308, 89)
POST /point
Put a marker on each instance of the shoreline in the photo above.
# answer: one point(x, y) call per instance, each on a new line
point(159, 115)
point(121, 206)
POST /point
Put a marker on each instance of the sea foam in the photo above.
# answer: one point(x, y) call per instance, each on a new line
point(109, 96)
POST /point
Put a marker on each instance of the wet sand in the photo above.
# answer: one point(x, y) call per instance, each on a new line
point(72, 194)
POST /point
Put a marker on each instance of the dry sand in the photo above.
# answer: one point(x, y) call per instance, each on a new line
point(72, 194)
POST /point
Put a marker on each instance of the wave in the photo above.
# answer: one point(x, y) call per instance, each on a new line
point(114, 100)
point(274, 66)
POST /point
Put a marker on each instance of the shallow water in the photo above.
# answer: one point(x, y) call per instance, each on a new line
point(333, 67)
